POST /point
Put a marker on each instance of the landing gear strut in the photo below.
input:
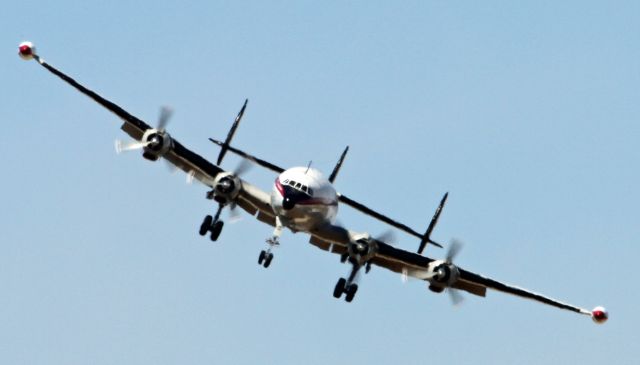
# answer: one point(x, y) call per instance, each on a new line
point(212, 224)
point(347, 286)
point(266, 255)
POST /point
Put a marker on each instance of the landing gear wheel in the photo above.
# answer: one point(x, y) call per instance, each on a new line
point(206, 225)
point(261, 257)
point(339, 289)
point(267, 260)
point(216, 230)
point(351, 292)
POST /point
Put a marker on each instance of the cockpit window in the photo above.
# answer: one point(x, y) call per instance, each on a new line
point(298, 185)
point(310, 191)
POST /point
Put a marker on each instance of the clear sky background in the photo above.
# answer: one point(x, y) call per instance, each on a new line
point(526, 112)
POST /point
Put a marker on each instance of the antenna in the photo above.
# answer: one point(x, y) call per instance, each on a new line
point(308, 167)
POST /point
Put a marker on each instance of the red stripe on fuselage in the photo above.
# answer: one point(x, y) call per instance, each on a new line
point(310, 201)
point(279, 187)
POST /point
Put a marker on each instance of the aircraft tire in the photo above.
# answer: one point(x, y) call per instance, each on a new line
point(339, 289)
point(206, 225)
point(216, 230)
point(351, 292)
point(267, 260)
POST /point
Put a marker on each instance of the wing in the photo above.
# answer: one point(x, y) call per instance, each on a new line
point(370, 212)
point(251, 199)
point(183, 158)
point(336, 240)
point(469, 280)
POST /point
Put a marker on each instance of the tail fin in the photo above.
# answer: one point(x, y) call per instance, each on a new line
point(225, 146)
point(336, 169)
point(427, 235)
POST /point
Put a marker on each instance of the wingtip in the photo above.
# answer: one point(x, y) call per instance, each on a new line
point(27, 51)
point(599, 315)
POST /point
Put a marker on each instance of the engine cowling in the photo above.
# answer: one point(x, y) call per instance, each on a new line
point(362, 249)
point(443, 274)
point(157, 144)
point(227, 188)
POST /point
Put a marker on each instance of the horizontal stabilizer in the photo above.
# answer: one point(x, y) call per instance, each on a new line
point(249, 157)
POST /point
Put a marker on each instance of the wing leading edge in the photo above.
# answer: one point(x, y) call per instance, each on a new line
point(179, 155)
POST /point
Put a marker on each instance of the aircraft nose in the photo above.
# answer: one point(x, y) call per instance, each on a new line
point(288, 203)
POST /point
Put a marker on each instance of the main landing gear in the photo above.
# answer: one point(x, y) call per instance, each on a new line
point(212, 224)
point(347, 286)
point(266, 255)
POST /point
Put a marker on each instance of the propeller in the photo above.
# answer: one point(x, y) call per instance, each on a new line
point(121, 146)
point(163, 121)
point(455, 296)
point(454, 248)
point(242, 167)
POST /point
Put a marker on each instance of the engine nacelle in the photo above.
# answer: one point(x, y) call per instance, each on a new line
point(362, 248)
point(157, 144)
point(443, 274)
point(226, 188)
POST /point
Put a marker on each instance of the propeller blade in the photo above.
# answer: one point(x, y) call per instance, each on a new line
point(453, 251)
point(163, 120)
point(242, 167)
point(170, 167)
point(234, 213)
point(456, 297)
point(128, 146)
point(190, 177)
point(386, 237)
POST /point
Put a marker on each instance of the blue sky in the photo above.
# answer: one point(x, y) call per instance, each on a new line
point(527, 113)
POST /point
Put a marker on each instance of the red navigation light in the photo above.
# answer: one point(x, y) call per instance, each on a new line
point(599, 315)
point(26, 50)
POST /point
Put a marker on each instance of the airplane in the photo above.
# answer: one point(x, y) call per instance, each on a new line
point(303, 200)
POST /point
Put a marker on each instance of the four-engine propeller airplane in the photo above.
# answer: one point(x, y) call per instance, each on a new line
point(303, 200)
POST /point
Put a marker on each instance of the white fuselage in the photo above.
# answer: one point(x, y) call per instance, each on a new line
point(303, 199)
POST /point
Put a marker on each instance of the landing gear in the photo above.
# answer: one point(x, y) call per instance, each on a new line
point(213, 225)
point(347, 286)
point(266, 256)
point(342, 288)
point(216, 229)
